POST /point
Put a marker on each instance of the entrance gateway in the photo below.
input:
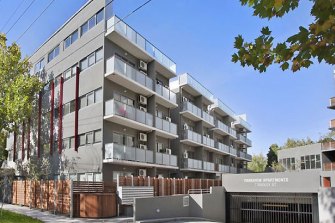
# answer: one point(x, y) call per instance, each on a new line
point(290, 197)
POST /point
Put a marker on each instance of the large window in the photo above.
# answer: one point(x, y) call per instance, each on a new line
point(122, 139)
point(70, 39)
point(53, 53)
point(39, 66)
point(123, 99)
point(89, 24)
point(310, 162)
point(71, 72)
point(91, 59)
point(69, 107)
point(91, 98)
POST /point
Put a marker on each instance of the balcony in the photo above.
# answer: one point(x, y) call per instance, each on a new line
point(222, 109)
point(123, 154)
point(332, 125)
point(222, 147)
point(222, 168)
point(243, 140)
point(208, 142)
point(127, 76)
point(123, 114)
point(208, 166)
point(331, 103)
point(123, 35)
point(244, 156)
point(328, 146)
point(167, 127)
point(241, 123)
point(328, 167)
point(191, 138)
point(232, 169)
point(233, 151)
point(209, 120)
point(194, 87)
point(166, 97)
point(224, 129)
point(166, 159)
point(191, 111)
point(243, 170)
point(192, 164)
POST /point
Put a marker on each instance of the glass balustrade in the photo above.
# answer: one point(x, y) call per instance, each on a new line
point(193, 136)
point(121, 152)
point(188, 106)
point(165, 125)
point(166, 93)
point(192, 164)
point(208, 141)
point(166, 159)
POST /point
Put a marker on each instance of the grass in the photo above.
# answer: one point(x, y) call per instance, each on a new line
point(11, 217)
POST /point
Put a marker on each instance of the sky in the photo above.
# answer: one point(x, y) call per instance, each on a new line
point(199, 36)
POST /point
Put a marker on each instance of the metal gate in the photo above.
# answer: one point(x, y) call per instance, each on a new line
point(270, 208)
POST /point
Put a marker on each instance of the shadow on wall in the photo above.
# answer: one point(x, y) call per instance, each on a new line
point(326, 205)
point(203, 206)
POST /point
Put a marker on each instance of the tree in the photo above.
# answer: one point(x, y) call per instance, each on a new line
point(277, 167)
point(258, 163)
point(327, 138)
point(291, 143)
point(317, 41)
point(18, 89)
point(272, 155)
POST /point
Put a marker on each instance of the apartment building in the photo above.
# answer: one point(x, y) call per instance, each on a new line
point(107, 108)
point(212, 138)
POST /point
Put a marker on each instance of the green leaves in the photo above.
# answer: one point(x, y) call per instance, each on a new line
point(298, 51)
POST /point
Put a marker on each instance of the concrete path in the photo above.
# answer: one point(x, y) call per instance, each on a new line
point(46, 216)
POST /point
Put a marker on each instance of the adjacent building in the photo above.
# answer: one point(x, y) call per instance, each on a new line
point(109, 108)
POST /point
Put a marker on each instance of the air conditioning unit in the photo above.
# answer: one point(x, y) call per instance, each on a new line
point(185, 154)
point(186, 126)
point(185, 99)
point(168, 119)
point(143, 137)
point(143, 109)
point(143, 66)
point(143, 100)
point(143, 146)
point(168, 151)
point(142, 172)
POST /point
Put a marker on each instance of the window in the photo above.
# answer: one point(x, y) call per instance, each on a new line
point(89, 138)
point(83, 102)
point(100, 16)
point(312, 161)
point(97, 136)
point(98, 55)
point(39, 66)
point(118, 138)
point(292, 163)
point(129, 141)
point(84, 28)
point(70, 39)
point(317, 162)
point(71, 142)
point(303, 166)
point(123, 99)
point(67, 74)
point(91, 22)
point(82, 140)
point(98, 95)
point(160, 147)
point(66, 143)
point(83, 64)
point(90, 98)
point(54, 53)
point(91, 59)
point(308, 163)
point(69, 107)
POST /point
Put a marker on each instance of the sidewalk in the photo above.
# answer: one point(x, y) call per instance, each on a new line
point(46, 216)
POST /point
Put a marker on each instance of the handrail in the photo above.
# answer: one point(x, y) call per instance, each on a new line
point(199, 191)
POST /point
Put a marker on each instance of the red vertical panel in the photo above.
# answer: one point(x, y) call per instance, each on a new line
point(39, 124)
point(60, 117)
point(14, 147)
point(52, 111)
point(28, 138)
point(76, 110)
point(22, 143)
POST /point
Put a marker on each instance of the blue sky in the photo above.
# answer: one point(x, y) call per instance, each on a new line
point(198, 36)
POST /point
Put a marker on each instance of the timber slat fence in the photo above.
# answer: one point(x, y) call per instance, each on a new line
point(45, 194)
point(168, 186)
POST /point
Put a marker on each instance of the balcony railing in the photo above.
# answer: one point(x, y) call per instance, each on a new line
point(114, 107)
point(166, 126)
point(192, 164)
point(207, 141)
point(244, 139)
point(186, 79)
point(166, 93)
point(243, 170)
point(121, 152)
point(233, 151)
point(208, 166)
point(242, 122)
point(122, 28)
point(222, 147)
point(188, 106)
point(193, 136)
point(332, 103)
point(223, 168)
point(232, 169)
point(115, 65)
point(328, 166)
point(328, 145)
point(166, 159)
point(332, 124)
point(219, 104)
point(225, 128)
point(207, 117)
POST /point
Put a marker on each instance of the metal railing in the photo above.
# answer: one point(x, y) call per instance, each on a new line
point(165, 125)
point(114, 107)
point(208, 141)
point(208, 166)
point(328, 167)
point(244, 139)
point(328, 145)
point(121, 152)
point(207, 117)
point(188, 106)
point(125, 30)
point(115, 65)
point(225, 128)
point(193, 136)
point(166, 159)
point(222, 147)
point(166, 93)
point(192, 164)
